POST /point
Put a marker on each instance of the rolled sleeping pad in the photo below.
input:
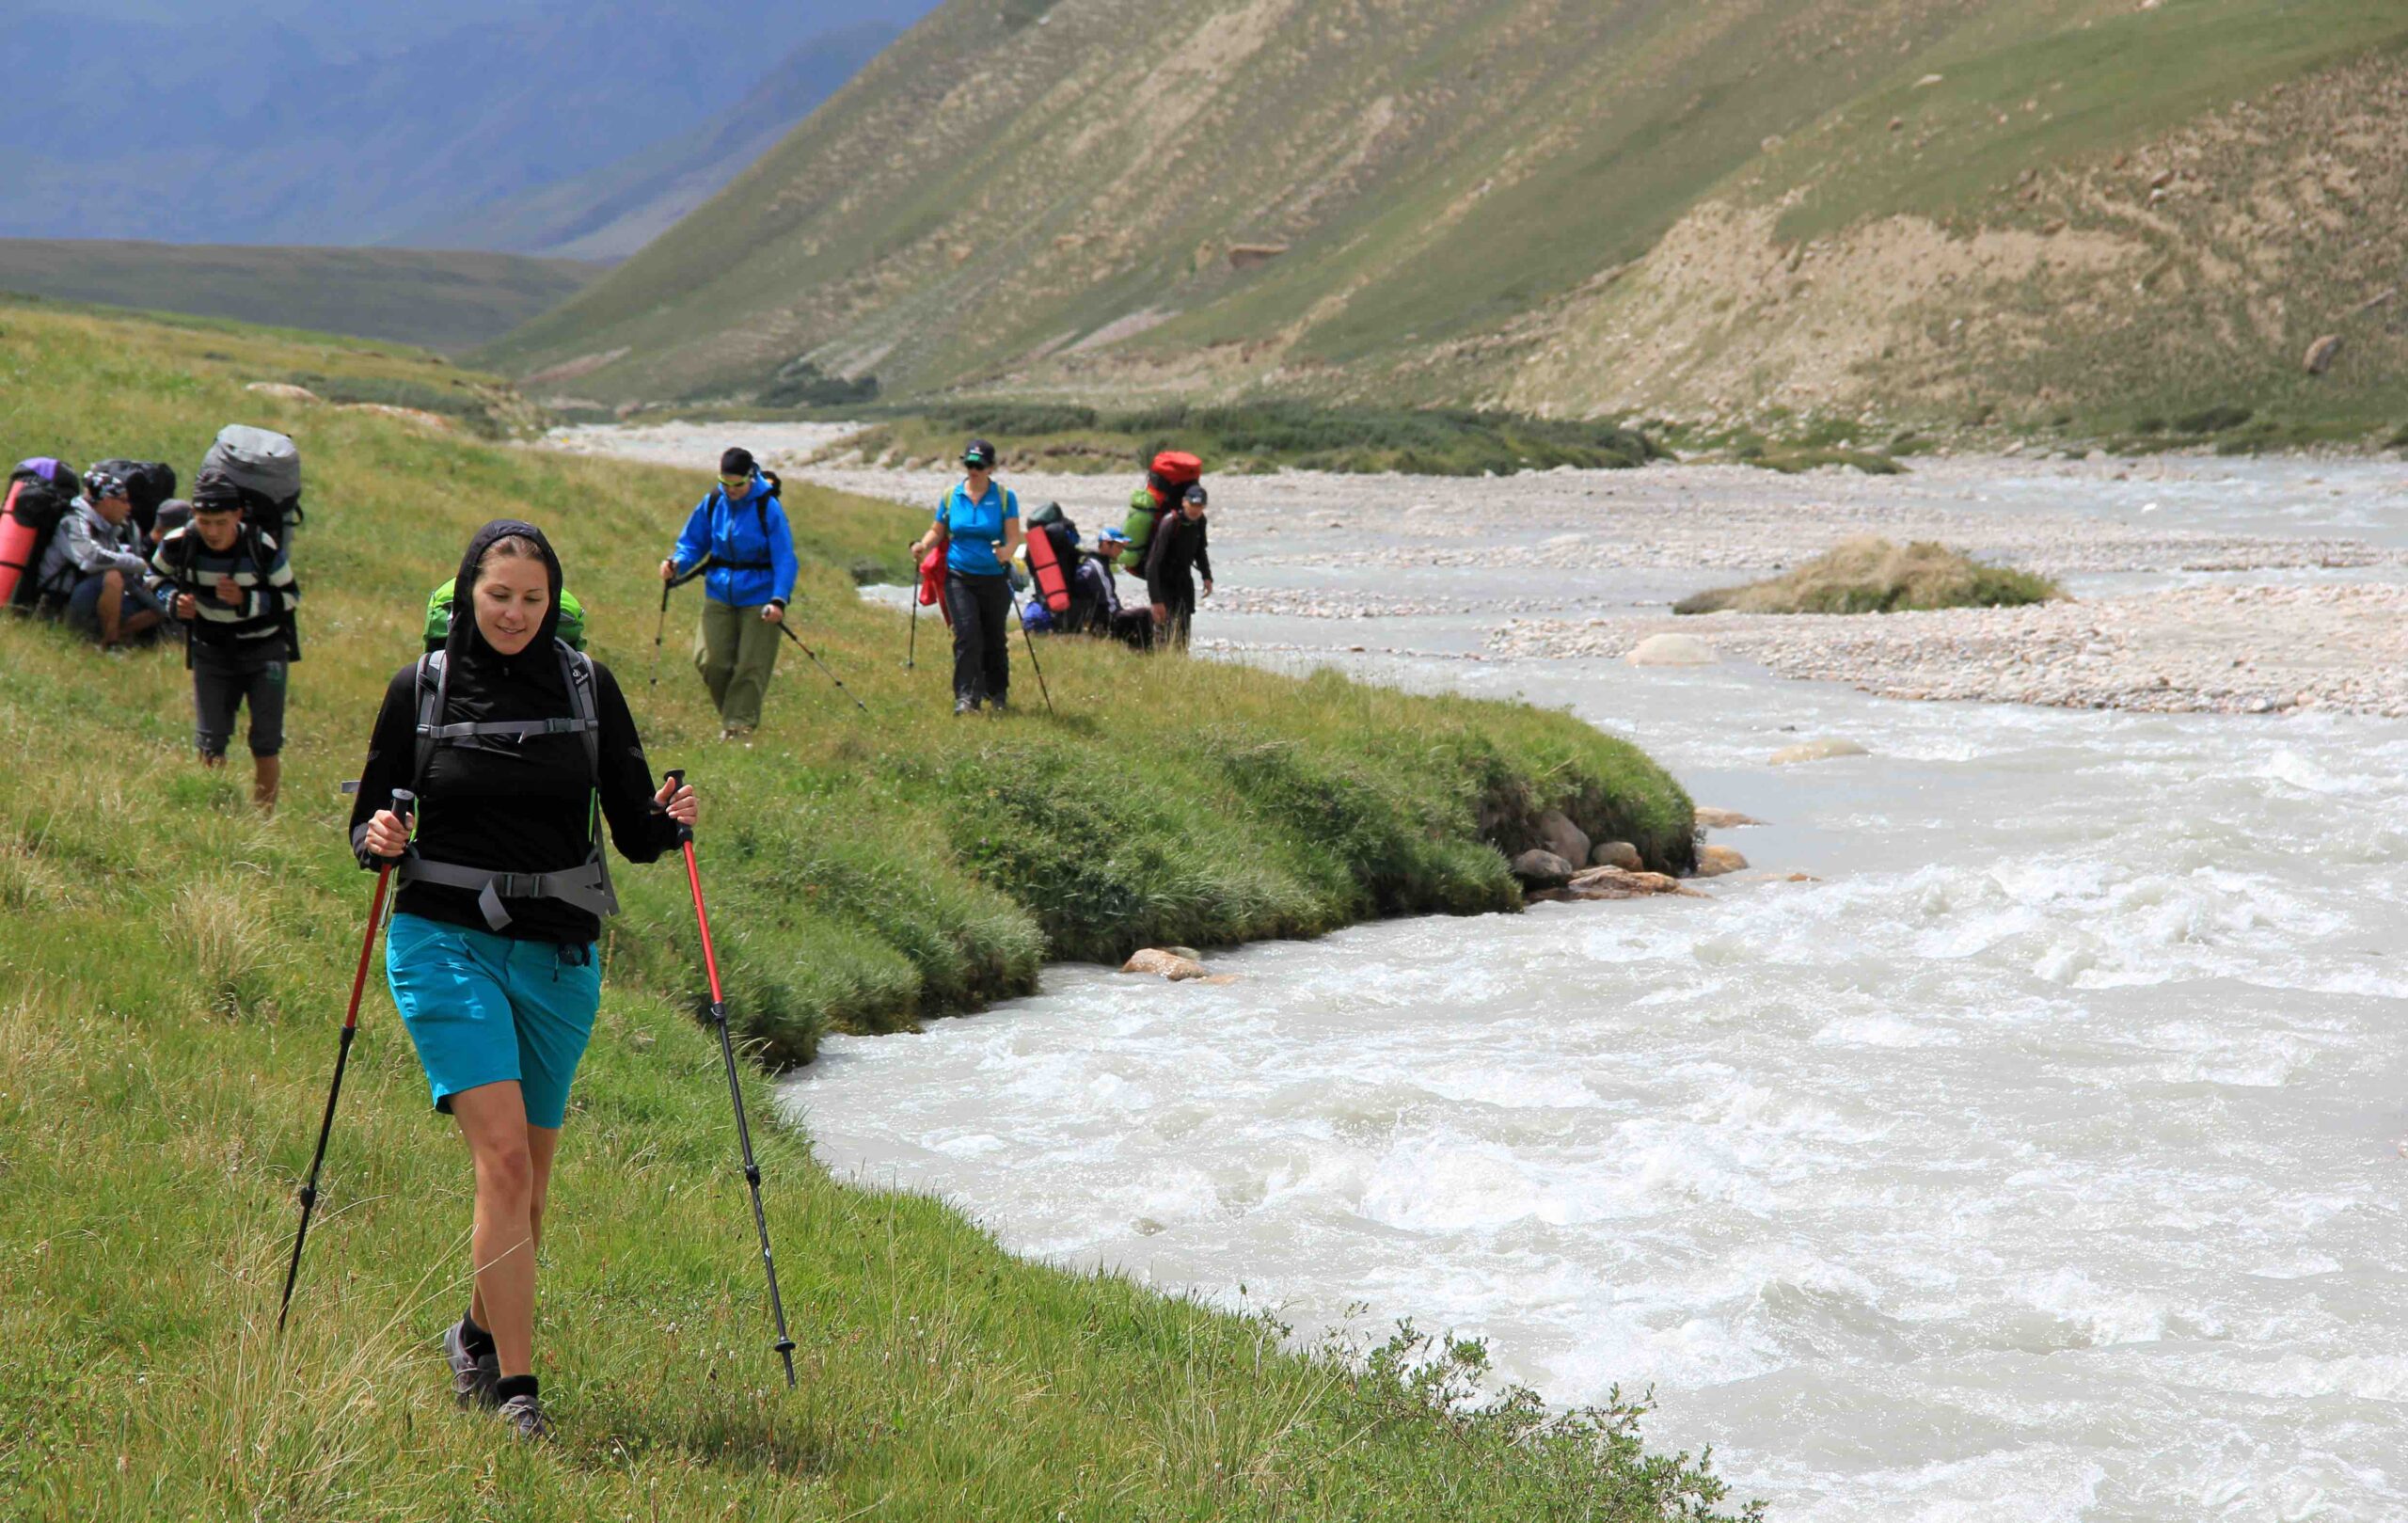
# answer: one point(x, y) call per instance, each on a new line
point(16, 546)
point(1051, 579)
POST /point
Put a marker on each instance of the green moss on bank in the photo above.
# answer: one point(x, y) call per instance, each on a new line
point(172, 971)
point(1872, 576)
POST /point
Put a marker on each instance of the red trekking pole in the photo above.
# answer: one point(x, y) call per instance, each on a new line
point(402, 801)
point(785, 1345)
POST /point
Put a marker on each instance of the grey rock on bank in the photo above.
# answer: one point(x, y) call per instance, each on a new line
point(1714, 861)
point(1620, 854)
point(1540, 868)
point(1557, 833)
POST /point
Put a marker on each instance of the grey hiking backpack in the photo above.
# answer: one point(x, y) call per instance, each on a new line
point(265, 467)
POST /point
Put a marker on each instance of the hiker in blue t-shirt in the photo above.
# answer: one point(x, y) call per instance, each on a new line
point(978, 523)
point(742, 529)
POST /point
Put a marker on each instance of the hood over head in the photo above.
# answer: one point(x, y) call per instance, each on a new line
point(466, 639)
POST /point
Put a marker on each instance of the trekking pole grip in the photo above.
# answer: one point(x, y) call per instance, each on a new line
point(676, 776)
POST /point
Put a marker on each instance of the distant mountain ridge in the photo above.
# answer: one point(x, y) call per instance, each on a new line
point(270, 130)
point(609, 212)
point(1565, 205)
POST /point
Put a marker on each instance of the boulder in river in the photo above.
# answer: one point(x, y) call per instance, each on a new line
point(1620, 854)
point(1723, 819)
point(1714, 861)
point(1154, 959)
point(1673, 650)
point(1558, 834)
point(1540, 868)
point(1615, 884)
point(1814, 751)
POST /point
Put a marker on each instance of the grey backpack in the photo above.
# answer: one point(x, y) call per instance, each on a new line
point(266, 466)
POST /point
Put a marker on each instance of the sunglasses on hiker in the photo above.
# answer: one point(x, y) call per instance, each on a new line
point(735, 484)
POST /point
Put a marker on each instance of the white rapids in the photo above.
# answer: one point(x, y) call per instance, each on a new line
point(2037, 1163)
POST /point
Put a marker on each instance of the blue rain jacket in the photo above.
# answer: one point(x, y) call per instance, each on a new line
point(748, 567)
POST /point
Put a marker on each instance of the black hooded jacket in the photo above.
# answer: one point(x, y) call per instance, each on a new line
point(510, 805)
point(1179, 545)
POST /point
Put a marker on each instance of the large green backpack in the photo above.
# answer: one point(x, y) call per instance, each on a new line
point(438, 618)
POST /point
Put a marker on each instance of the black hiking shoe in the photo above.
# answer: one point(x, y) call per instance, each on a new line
point(525, 1415)
point(473, 1376)
point(997, 704)
point(964, 705)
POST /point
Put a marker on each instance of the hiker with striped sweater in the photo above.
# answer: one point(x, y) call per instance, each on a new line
point(231, 585)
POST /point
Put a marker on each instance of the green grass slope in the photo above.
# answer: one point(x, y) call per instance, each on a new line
point(172, 971)
point(1556, 207)
point(449, 301)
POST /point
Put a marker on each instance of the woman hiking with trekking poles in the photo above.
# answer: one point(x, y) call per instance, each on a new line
point(517, 747)
point(978, 525)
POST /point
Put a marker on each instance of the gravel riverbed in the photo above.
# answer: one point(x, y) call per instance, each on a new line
point(2199, 584)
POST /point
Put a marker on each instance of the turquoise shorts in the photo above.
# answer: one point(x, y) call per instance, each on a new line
point(483, 1008)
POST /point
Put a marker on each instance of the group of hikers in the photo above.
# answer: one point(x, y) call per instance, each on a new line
point(118, 557)
point(501, 752)
point(978, 551)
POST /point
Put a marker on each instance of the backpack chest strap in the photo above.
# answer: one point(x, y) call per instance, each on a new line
point(512, 729)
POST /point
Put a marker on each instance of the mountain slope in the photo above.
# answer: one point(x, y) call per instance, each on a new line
point(437, 300)
point(1562, 204)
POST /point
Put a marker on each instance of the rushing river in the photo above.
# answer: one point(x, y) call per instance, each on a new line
point(2040, 1161)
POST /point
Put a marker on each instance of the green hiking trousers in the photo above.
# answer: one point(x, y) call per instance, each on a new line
point(735, 650)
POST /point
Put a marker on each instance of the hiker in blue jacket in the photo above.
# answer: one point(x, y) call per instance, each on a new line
point(741, 527)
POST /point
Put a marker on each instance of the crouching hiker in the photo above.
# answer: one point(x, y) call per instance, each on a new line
point(741, 530)
point(978, 525)
point(518, 749)
point(231, 586)
point(95, 560)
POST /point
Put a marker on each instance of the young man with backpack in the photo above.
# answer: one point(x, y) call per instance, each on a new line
point(231, 585)
point(94, 561)
point(742, 528)
point(979, 524)
point(1178, 550)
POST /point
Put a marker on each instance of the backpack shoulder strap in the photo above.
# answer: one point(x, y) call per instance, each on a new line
point(431, 697)
point(577, 673)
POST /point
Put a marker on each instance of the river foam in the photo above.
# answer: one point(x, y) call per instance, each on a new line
point(2039, 1163)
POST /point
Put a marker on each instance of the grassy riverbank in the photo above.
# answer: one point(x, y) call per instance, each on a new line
point(175, 970)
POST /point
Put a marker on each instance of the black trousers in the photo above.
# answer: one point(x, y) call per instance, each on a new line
point(1180, 600)
point(981, 609)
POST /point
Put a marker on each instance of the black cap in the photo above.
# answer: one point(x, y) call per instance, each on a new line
point(213, 491)
point(735, 460)
point(1195, 494)
point(980, 454)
